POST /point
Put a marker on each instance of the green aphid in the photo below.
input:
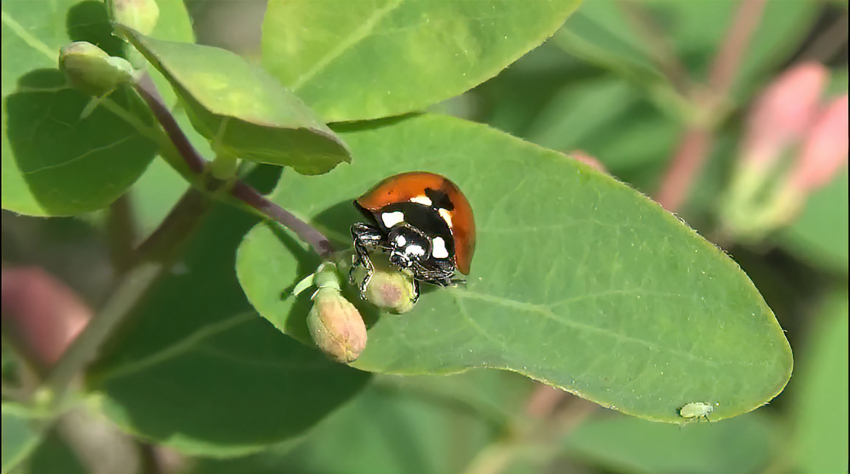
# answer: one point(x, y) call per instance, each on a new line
point(696, 410)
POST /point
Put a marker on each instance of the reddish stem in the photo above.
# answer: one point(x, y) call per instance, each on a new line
point(696, 142)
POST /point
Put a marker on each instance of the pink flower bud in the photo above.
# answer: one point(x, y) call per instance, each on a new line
point(585, 158)
point(334, 323)
point(824, 150)
point(41, 312)
point(783, 113)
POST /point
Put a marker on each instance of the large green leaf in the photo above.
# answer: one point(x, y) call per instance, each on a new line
point(361, 60)
point(244, 112)
point(55, 163)
point(822, 399)
point(199, 371)
point(577, 281)
point(628, 445)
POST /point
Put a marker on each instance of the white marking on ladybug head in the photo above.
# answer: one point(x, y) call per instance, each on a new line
point(447, 216)
point(392, 218)
point(400, 240)
point(414, 250)
point(439, 248)
point(424, 200)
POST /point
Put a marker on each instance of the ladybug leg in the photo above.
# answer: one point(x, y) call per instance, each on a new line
point(436, 276)
point(415, 297)
point(366, 238)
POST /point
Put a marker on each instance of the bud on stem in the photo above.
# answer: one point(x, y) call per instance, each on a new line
point(140, 15)
point(89, 69)
point(389, 288)
point(334, 323)
point(790, 149)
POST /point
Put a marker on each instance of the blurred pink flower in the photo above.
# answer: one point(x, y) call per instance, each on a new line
point(41, 312)
point(783, 113)
point(824, 150)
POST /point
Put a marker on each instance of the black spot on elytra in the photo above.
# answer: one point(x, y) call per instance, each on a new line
point(439, 199)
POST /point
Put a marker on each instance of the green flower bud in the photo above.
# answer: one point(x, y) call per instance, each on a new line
point(140, 15)
point(389, 288)
point(90, 70)
point(334, 323)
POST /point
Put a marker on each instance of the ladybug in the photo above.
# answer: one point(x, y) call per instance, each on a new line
point(425, 224)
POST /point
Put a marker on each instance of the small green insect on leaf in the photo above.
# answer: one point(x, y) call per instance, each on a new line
point(695, 410)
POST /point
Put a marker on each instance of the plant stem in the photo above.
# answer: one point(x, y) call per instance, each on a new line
point(239, 190)
point(147, 89)
point(121, 233)
point(130, 289)
point(664, 55)
point(540, 437)
point(250, 196)
point(153, 257)
point(696, 142)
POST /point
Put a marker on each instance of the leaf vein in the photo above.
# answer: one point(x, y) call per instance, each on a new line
point(546, 312)
point(365, 29)
point(72, 160)
point(29, 39)
point(182, 346)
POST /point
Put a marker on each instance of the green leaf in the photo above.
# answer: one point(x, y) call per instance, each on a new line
point(820, 234)
point(174, 24)
point(822, 399)
point(53, 162)
point(240, 108)
point(629, 445)
point(20, 437)
point(577, 280)
point(199, 371)
point(363, 60)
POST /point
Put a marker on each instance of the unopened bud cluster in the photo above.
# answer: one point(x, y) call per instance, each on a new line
point(90, 70)
point(794, 144)
point(388, 288)
point(334, 323)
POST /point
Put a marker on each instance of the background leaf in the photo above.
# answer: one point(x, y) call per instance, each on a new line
point(363, 60)
point(820, 234)
point(396, 426)
point(577, 280)
point(20, 437)
point(53, 456)
point(244, 112)
point(603, 33)
point(822, 399)
point(629, 445)
point(54, 163)
point(196, 346)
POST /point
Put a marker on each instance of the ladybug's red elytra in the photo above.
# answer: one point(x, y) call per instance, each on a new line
point(423, 221)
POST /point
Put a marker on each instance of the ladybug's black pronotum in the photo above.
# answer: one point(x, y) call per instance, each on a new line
point(422, 221)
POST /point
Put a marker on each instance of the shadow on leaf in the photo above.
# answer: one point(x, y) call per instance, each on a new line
point(89, 21)
point(72, 165)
